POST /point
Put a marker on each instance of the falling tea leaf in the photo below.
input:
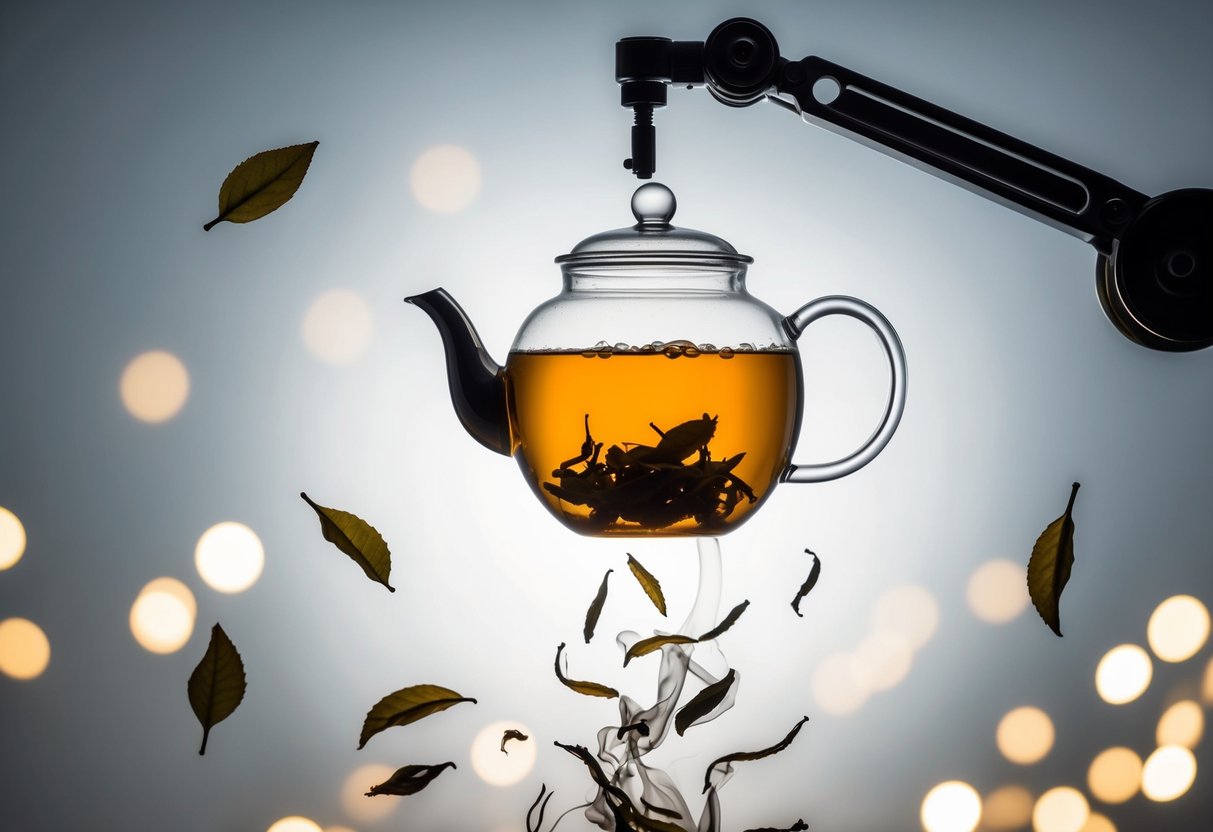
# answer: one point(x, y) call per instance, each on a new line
point(512, 734)
point(626, 815)
point(654, 643)
point(534, 824)
point(704, 703)
point(595, 610)
point(409, 780)
point(584, 688)
point(408, 705)
point(217, 685)
point(1050, 565)
point(356, 538)
point(648, 583)
point(262, 183)
point(809, 582)
point(749, 756)
point(641, 728)
point(729, 621)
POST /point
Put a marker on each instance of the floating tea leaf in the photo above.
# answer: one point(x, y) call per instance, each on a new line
point(641, 728)
point(625, 813)
point(648, 583)
point(595, 610)
point(749, 756)
point(534, 824)
point(408, 705)
point(262, 183)
point(654, 643)
point(512, 734)
point(704, 703)
point(216, 687)
point(584, 688)
point(809, 582)
point(729, 621)
point(356, 538)
point(1050, 565)
point(409, 780)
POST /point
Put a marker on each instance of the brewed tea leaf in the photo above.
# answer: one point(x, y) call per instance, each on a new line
point(409, 780)
point(654, 643)
point(584, 688)
point(216, 687)
point(595, 610)
point(749, 756)
point(704, 702)
point(681, 441)
point(408, 705)
point(648, 583)
point(356, 538)
point(512, 734)
point(262, 183)
point(729, 621)
point(809, 582)
point(1050, 564)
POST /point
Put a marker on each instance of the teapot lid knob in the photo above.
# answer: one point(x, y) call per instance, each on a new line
point(653, 205)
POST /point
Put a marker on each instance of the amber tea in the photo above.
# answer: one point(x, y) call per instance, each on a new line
point(665, 440)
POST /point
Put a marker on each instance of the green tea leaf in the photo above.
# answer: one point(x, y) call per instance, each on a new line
point(595, 610)
point(584, 688)
point(262, 183)
point(216, 687)
point(512, 734)
point(648, 583)
point(356, 538)
point(809, 582)
point(653, 643)
point(408, 705)
point(704, 703)
point(749, 756)
point(729, 621)
point(1050, 565)
point(409, 780)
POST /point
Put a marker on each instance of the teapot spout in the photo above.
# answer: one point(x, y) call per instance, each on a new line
point(477, 381)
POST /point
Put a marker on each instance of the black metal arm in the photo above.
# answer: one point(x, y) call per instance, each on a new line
point(1155, 264)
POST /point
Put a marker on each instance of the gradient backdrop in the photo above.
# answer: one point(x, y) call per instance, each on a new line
point(120, 121)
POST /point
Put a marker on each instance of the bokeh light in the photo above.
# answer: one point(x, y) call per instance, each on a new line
point(1098, 823)
point(1123, 674)
point(496, 768)
point(1025, 735)
point(163, 615)
point(910, 611)
point(997, 591)
point(295, 823)
point(1178, 628)
point(1206, 689)
point(953, 806)
point(353, 793)
point(24, 649)
point(338, 326)
point(1062, 809)
point(229, 557)
point(12, 539)
point(1181, 724)
point(445, 179)
point(1168, 773)
point(837, 689)
point(1007, 807)
point(882, 660)
point(154, 386)
point(338, 829)
point(1115, 775)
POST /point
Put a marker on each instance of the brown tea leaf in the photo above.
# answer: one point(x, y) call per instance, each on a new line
point(704, 703)
point(798, 826)
point(641, 728)
point(409, 780)
point(216, 687)
point(262, 183)
point(648, 583)
point(729, 621)
point(356, 538)
point(681, 441)
point(809, 582)
point(584, 688)
point(512, 734)
point(653, 643)
point(534, 824)
point(595, 610)
point(408, 705)
point(749, 756)
point(1050, 564)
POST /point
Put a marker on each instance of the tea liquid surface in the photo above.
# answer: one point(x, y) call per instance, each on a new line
point(627, 479)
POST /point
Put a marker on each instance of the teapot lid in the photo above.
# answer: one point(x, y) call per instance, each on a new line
point(652, 239)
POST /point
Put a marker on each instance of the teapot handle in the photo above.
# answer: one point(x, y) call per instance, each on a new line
point(855, 308)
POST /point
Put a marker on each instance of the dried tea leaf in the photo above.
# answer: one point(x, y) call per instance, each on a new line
point(729, 621)
point(584, 688)
point(798, 826)
point(408, 705)
point(409, 780)
point(595, 610)
point(1050, 565)
point(654, 643)
point(704, 703)
point(512, 734)
point(262, 183)
point(356, 538)
point(641, 728)
point(648, 583)
point(809, 582)
point(216, 687)
point(749, 756)
point(534, 824)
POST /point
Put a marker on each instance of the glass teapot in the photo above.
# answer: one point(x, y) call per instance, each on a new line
point(654, 396)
